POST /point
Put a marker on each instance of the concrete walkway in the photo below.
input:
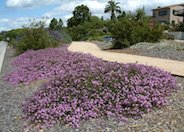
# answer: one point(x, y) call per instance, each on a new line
point(3, 46)
point(175, 67)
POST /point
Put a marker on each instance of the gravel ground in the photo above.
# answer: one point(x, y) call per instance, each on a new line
point(167, 49)
point(167, 119)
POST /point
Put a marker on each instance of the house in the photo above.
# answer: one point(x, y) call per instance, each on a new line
point(172, 14)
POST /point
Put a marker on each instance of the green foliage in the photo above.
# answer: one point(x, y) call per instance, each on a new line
point(81, 14)
point(87, 30)
point(113, 8)
point(35, 37)
point(60, 24)
point(55, 24)
point(168, 37)
point(72, 22)
point(1, 37)
point(78, 32)
point(179, 27)
point(83, 26)
point(140, 14)
point(122, 15)
point(96, 38)
point(131, 29)
point(14, 33)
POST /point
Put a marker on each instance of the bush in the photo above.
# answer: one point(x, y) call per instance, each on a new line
point(88, 30)
point(180, 27)
point(1, 37)
point(84, 87)
point(14, 33)
point(128, 32)
point(34, 37)
point(78, 33)
point(168, 36)
point(132, 29)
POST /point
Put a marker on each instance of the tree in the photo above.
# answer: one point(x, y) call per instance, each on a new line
point(72, 22)
point(81, 14)
point(53, 24)
point(140, 14)
point(122, 15)
point(96, 22)
point(113, 8)
point(60, 24)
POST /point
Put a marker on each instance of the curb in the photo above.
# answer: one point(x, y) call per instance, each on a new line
point(3, 46)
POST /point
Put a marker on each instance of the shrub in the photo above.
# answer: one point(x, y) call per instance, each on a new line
point(128, 32)
point(14, 33)
point(132, 29)
point(78, 32)
point(1, 37)
point(88, 30)
point(33, 37)
point(180, 27)
point(84, 87)
point(168, 36)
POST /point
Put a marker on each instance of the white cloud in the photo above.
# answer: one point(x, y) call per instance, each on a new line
point(26, 3)
point(4, 20)
point(95, 6)
point(8, 24)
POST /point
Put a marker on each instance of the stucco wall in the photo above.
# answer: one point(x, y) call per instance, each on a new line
point(177, 35)
point(177, 19)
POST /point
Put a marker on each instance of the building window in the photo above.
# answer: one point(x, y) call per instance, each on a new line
point(173, 22)
point(154, 14)
point(163, 13)
point(174, 11)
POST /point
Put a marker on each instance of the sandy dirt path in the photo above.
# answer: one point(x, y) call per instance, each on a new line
point(175, 67)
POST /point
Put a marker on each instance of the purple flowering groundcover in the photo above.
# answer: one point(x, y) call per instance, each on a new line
point(84, 87)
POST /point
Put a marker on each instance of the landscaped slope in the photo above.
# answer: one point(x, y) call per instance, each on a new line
point(83, 87)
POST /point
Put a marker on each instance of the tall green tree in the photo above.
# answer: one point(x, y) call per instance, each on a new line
point(53, 24)
point(113, 8)
point(122, 15)
point(81, 14)
point(140, 14)
point(72, 22)
point(60, 24)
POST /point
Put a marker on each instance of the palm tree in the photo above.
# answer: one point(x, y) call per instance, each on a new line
point(113, 8)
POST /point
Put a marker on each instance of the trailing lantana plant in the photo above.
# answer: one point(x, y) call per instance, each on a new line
point(84, 87)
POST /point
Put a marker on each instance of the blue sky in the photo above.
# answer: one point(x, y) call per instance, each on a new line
point(15, 13)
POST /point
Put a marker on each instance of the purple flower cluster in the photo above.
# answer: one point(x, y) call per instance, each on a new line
point(46, 63)
point(84, 87)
